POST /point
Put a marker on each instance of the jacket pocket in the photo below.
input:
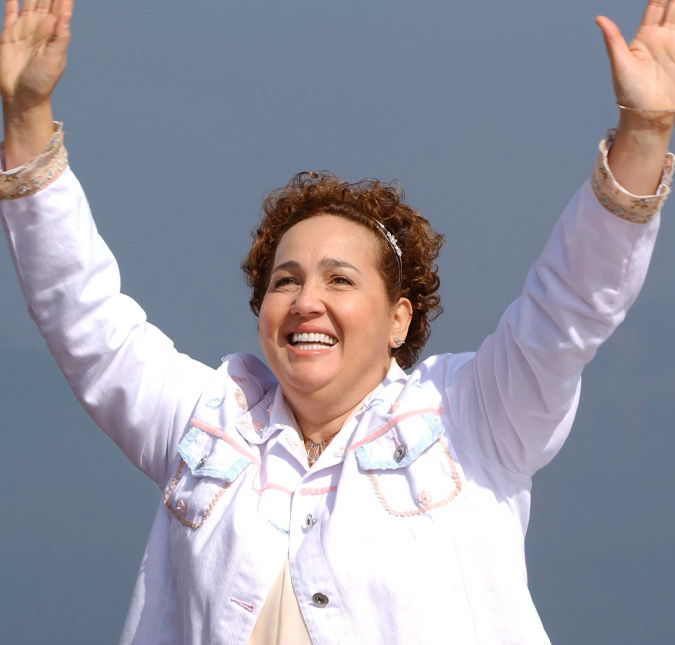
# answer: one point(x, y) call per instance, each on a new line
point(411, 468)
point(206, 469)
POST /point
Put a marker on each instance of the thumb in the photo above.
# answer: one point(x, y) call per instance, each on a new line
point(617, 49)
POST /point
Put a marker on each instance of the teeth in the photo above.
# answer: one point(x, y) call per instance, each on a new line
point(313, 338)
point(310, 346)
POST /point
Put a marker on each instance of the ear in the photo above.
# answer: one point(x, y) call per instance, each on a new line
point(402, 316)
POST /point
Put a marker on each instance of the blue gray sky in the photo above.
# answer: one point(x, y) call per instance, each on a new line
point(179, 117)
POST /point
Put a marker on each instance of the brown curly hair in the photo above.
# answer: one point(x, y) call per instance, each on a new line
point(309, 194)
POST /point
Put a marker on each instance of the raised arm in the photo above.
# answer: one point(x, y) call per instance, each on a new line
point(515, 400)
point(124, 371)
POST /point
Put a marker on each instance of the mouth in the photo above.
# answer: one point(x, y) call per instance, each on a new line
point(311, 341)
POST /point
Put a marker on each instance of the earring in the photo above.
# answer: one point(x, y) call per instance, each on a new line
point(398, 342)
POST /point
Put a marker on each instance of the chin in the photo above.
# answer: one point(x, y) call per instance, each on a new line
point(307, 383)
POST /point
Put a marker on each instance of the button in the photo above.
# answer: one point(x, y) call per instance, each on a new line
point(181, 508)
point(400, 452)
point(202, 461)
point(309, 521)
point(320, 599)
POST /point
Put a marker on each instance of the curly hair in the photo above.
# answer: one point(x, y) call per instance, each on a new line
point(309, 194)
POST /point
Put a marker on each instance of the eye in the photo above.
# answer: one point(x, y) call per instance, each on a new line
point(286, 281)
point(341, 280)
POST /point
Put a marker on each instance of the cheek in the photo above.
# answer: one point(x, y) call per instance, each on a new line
point(272, 315)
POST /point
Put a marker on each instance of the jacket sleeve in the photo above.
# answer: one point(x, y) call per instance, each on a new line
point(123, 370)
point(514, 401)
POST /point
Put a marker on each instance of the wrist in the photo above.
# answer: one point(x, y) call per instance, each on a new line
point(26, 132)
point(656, 126)
point(639, 150)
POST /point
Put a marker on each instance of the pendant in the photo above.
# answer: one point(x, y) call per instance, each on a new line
point(314, 450)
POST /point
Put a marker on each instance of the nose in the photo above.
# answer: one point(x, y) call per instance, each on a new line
point(309, 301)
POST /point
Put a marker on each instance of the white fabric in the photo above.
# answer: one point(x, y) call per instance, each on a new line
point(395, 568)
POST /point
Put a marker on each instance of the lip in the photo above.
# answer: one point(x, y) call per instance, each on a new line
point(310, 329)
point(296, 351)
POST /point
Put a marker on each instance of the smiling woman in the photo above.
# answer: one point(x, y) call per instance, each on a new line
point(329, 496)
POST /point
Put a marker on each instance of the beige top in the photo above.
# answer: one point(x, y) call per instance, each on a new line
point(280, 621)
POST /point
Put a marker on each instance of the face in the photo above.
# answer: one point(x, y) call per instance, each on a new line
point(326, 324)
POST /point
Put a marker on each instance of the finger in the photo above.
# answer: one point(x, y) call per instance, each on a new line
point(654, 12)
point(43, 6)
point(61, 37)
point(11, 12)
point(669, 18)
point(617, 48)
point(62, 7)
point(28, 6)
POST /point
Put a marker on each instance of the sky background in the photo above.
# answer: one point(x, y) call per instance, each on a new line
point(180, 116)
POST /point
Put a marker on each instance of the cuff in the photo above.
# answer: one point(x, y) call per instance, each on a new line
point(46, 168)
point(619, 201)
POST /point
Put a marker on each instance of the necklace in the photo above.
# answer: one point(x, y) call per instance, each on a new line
point(315, 450)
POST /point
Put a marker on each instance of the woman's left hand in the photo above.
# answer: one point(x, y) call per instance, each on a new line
point(643, 71)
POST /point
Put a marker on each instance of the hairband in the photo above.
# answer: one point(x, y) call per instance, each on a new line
point(391, 240)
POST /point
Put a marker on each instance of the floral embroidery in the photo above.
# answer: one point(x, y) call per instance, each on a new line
point(619, 201)
point(180, 510)
point(239, 379)
point(424, 498)
point(214, 404)
point(48, 166)
point(240, 398)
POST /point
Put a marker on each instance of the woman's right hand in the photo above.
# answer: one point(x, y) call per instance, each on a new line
point(33, 47)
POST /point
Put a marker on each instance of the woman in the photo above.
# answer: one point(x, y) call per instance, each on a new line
point(333, 498)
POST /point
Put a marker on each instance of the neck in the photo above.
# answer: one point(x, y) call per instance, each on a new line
point(319, 417)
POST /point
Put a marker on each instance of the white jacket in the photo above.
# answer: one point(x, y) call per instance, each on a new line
point(410, 527)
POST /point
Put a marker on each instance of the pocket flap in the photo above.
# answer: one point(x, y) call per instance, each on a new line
point(209, 456)
point(401, 444)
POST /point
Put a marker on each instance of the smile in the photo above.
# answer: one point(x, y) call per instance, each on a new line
point(311, 341)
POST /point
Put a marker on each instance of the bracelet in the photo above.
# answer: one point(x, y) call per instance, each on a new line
point(632, 109)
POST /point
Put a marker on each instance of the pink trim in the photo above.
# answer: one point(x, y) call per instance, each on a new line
point(245, 605)
point(385, 428)
point(317, 491)
point(278, 487)
point(225, 437)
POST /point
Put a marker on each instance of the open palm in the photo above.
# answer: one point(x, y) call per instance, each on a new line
point(643, 71)
point(33, 47)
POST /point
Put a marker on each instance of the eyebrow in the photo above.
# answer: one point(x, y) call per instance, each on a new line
point(325, 263)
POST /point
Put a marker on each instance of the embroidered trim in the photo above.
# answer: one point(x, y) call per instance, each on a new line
point(176, 513)
point(246, 605)
point(619, 201)
point(45, 169)
point(205, 427)
point(424, 498)
point(317, 491)
point(278, 528)
point(390, 424)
